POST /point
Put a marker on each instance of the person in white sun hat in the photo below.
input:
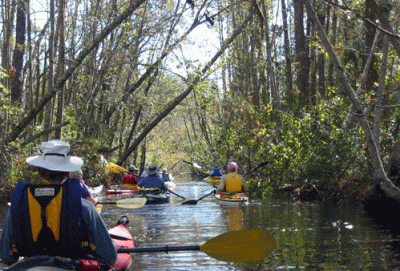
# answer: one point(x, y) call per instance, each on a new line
point(53, 219)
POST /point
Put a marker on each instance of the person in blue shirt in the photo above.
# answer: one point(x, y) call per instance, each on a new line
point(216, 172)
point(153, 180)
point(70, 227)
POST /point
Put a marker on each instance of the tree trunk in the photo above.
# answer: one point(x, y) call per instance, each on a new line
point(18, 54)
point(182, 96)
point(60, 66)
point(274, 97)
point(351, 114)
point(380, 93)
point(333, 41)
point(48, 119)
point(370, 13)
point(379, 173)
point(301, 49)
point(9, 7)
point(288, 70)
point(72, 67)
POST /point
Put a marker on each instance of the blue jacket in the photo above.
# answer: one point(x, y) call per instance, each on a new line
point(153, 181)
point(216, 172)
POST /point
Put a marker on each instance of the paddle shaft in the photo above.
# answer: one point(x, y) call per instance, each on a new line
point(194, 201)
point(158, 249)
point(212, 192)
point(176, 194)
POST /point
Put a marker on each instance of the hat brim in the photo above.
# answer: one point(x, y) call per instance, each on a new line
point(74, 163)
point(152, 172)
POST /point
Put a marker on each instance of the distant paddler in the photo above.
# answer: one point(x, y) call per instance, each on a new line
point(214, 177)
point(86, 194)
point(232, 182)
point(131, 179)
point(153, 180)
point(168, 179)
point(216, 172)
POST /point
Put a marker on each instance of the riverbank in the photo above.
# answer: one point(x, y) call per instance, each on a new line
point(348, 191)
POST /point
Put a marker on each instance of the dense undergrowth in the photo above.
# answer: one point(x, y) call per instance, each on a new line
point(306, 148)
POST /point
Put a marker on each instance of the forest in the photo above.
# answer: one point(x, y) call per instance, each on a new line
point(310, 88)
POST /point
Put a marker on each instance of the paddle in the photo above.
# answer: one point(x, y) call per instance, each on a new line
point(234, 246)
point(194, 201)
point(193, 164)
point(112, 169)
point(257, 167)
point(131, 203)
point(176, 194)
point(117, 167)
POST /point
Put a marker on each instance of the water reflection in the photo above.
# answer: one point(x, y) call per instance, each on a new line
point(309, 236)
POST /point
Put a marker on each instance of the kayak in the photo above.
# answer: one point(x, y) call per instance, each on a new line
point(158, 198)
point(212, 180)
point(120, 235)
point(96, 190)
point(121, 191)
point(231, 199)
point(123, 238)
point(124, 189)
point(154, 195)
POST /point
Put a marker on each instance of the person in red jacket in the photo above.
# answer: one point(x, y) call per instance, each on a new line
point(131, 176)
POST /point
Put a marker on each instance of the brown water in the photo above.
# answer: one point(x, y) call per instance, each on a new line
point(310, 236)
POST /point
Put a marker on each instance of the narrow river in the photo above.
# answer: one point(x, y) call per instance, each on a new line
point(310, 236)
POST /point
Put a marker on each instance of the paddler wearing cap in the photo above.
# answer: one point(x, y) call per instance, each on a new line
point(53, 219)
point(153, 180)
point(131, 178)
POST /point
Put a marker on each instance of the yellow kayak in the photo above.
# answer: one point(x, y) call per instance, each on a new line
point(212, 180)
point(129, 186)
point(233, 199)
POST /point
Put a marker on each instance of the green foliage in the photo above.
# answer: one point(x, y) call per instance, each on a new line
point(310, 146)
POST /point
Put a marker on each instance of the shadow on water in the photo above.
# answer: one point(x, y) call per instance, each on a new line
point(310, 236)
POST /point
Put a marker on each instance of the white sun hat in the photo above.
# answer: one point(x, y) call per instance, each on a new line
point(55, 155)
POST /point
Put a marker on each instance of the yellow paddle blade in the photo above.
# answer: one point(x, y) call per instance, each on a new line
point(117, 167)
point(99, 207)
point(240, 246)
point(111, 169)
point(131, 203)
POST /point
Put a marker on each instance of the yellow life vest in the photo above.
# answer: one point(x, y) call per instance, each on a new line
point(52, 212)
point(233, 182)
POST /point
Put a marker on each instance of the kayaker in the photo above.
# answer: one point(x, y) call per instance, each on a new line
point(232, 182)
point(131, 176)
point(153, 180)
point(86, 194)
point(144, 174)
point(53, 219)
point(165, 176)
point(216, 172)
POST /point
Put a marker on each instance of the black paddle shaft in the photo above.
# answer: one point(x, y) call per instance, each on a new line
point(158, 249)
point(194, 201)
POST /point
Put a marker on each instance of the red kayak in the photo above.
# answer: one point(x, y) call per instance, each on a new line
point(125, 188)
point(123, 238)
point(122, 191)
point(120, 235)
